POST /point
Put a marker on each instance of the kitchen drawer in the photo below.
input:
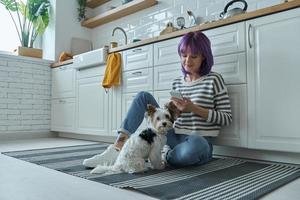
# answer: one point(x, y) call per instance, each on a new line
point(166, 52)
point(91, 72)
point(140, 57)
point(227, 39)
point(232, 67)
point(165, 74)
point(138, 80)
point(63, 82)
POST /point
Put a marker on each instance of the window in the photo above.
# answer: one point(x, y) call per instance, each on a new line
point(9, 39)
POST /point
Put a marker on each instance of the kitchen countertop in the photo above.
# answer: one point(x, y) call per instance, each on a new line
point(58, 64)
point(202, 27)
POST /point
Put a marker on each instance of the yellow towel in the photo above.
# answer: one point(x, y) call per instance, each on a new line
point(112, 71)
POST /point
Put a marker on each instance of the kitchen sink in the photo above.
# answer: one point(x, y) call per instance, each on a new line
point(90, 58)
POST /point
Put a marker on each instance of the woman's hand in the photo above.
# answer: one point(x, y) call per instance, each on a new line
point(185, 105)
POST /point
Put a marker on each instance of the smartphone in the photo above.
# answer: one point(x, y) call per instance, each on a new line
point(177, 94)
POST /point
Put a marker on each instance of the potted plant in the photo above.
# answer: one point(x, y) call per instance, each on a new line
point(81, 10)
point(30, 20)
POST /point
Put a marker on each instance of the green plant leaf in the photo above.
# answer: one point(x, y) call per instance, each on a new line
point(40, 25)
point(10, 5)
point(22, 8)
point(42, 18)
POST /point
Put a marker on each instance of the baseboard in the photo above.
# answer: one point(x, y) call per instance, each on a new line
point(285, 157)
point(108, 139)
point(26, 135)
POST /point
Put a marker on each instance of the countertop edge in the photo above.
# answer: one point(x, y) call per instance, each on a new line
point(58, 64)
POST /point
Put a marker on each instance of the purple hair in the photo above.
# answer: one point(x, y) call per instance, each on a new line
point(197, 43)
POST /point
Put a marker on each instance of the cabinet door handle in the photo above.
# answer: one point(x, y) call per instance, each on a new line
point(62, 101)
point(137, 50)
point(249, 31)
point(137, 73)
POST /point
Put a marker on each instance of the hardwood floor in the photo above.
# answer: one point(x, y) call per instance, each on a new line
point(22, 180)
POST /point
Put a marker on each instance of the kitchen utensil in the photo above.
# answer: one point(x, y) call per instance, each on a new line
point(125, 1)
point(80, 45)
point(169, 29)
point(113, 44)
point(180, 22)
point(192, 18)
point(235, 11)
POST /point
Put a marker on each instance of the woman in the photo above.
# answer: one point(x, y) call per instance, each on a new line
point(203, 110)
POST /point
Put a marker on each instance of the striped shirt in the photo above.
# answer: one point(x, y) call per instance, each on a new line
point(208, 92)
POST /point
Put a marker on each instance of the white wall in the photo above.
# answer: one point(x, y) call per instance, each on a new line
point(49, 37)
point(63, 26)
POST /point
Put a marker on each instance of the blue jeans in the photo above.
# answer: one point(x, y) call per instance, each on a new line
point(185, 149)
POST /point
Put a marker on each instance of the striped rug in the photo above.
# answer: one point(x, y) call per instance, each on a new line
point(222, 178)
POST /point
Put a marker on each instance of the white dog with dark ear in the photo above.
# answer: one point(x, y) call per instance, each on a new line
point(141, 146)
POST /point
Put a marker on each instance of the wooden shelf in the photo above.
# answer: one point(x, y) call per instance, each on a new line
point(95, 3)
point(121, 11)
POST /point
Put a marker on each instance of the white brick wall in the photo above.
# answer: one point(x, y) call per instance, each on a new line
point(25, 92)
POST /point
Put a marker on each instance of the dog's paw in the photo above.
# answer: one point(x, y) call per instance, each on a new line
point(162, 166)
point(100, 169)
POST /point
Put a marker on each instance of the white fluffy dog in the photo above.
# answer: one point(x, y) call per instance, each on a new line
point(145, 145)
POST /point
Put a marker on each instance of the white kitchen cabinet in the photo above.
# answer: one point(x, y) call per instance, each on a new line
point(137, 80)
point(115, 112)
point(232, 67)
point(63, 115)
point(273, 79)
point(227, 39)
point(140, 57)
point(98, 111)
point(63, 82)
point(63, 99)
point(164, 76)
point(236, 133)
point(166, 52)
point(92, 104)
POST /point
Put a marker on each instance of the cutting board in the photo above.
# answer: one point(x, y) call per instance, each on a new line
point(80, 45)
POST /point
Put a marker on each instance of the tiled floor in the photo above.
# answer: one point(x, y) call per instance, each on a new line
point(20, 180)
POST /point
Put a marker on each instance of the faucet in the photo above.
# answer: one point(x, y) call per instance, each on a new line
point(113, 33)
